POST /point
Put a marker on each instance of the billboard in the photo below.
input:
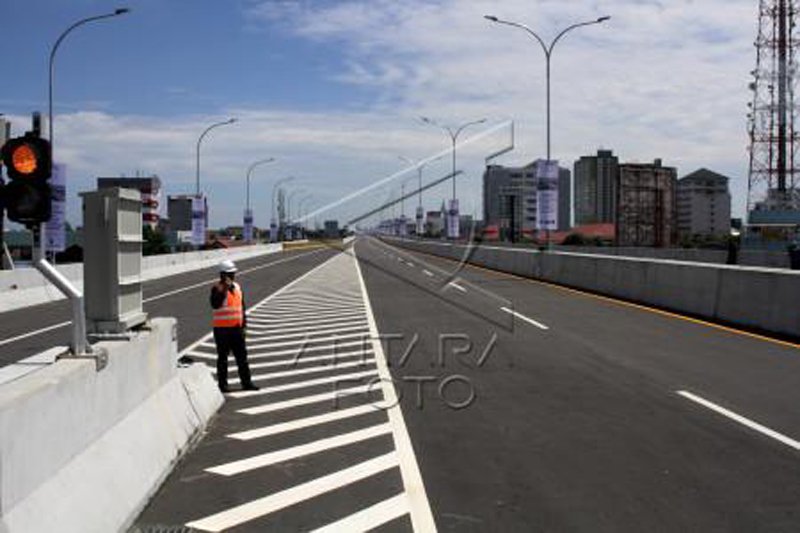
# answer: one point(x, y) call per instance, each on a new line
point(547, 195)
point(248, 225)
point(198, 221)
point(452, 220)
point(56, 232)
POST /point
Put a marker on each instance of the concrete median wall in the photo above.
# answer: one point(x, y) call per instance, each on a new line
point(83, 450)
point(752, 297)
point(25, 287)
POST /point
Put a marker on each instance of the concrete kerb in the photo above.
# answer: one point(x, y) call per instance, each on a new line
point(759, 298)
point(82, 450)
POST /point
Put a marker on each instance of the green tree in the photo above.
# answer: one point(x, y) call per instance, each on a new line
point(155, 242)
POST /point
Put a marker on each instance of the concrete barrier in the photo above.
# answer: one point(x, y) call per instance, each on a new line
point(25, 287)
point(752, 297)
point(82, 450)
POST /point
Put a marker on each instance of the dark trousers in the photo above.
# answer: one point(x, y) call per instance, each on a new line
point(227, 340)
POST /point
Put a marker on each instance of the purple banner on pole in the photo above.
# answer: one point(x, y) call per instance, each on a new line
point(56, 232)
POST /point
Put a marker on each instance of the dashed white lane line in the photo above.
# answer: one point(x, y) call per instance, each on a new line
point(525, 318)
point(755, 426)
point(428, 273)
point(457, 286)
point(371, 517)
point(303, 400)
point(287, 454)
point(294, 425)
point(292, 496)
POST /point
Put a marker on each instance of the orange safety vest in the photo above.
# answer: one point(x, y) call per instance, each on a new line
point(231, 313)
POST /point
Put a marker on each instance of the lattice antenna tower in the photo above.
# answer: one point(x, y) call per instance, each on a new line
point(772, 118)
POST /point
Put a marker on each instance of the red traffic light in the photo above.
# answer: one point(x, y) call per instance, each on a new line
point(27, 158)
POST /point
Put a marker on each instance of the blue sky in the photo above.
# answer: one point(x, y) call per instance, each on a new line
point(333, 88)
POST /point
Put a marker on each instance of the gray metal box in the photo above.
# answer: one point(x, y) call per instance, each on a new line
point(112, 260)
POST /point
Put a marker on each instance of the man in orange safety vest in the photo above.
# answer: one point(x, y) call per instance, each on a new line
point(230, 321)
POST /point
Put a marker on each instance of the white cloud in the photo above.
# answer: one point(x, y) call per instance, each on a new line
point(661, 79)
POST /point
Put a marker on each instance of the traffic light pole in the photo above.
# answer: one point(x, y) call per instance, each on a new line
point(79, 345)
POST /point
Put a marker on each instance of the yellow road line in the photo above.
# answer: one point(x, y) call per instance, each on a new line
point(624, 303)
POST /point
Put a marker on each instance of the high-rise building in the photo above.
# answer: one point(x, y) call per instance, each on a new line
point(510, 201)
point(596, 179)
point(179, 212)
point(564, 199)
point(148, 187)
point(646, 206)
point(704, 205)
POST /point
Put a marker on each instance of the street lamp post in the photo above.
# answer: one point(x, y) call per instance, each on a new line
point(199, 141)
point(289, 198)
point(79, 345)
point(248, 213)
point(300, 204)
point(274, 222)
point(115, 13)
point(420, 167)
point(454, 134)
point(548, 53)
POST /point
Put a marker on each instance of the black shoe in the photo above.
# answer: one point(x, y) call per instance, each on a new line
point(224, 389)
point(251, 386)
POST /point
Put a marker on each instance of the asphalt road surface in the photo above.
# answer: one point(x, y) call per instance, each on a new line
point(522, 407)
point(26, 332)
point(589, 414)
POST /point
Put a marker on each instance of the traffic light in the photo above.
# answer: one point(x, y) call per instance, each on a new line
point(27, 195)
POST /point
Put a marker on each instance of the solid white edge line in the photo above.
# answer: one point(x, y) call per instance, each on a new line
point(294, 495)
point(302, 423)
point(34, 333)
point(420, 510)
point(370, 518)
point(302, 450)
point(741, 420)
point(525, 318)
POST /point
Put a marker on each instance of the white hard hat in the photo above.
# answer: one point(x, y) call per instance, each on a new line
point(227, 266)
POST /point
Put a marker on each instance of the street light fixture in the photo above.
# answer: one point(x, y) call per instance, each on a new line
point(250, 172)
point(199, 141)
point(453, 133)
point(274, 223)
point(248, 213)
point(548, 52)
point(115, 13)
